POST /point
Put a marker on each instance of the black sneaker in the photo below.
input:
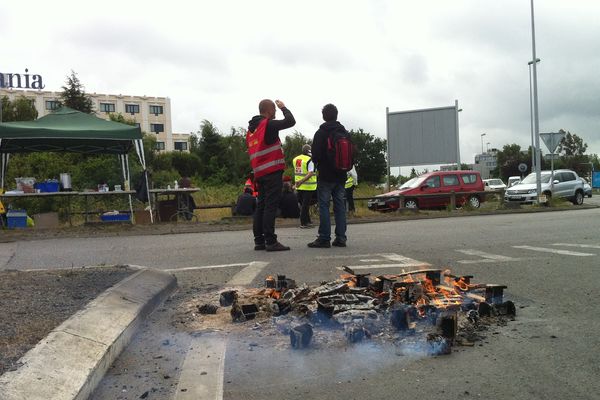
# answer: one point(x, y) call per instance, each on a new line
point(259, 247)
point(276, 247)
point(318, 243)
point(308, 226)
point(338, 243)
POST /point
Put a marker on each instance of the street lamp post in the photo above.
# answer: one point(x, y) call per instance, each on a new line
point(531, 116)
point(536, 120)
point(482, 135)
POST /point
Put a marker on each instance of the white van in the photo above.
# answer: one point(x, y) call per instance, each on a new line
point(513, 180)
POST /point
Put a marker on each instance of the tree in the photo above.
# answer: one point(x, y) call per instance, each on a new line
point(571, 145)
point(369, 157)
point(73, 95)
point(508, 160)
point(20, 109)
point(211, 150)
point(292, 146)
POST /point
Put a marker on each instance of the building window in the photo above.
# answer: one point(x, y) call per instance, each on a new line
point(181, 146)
point(52, 105)
point(156, 110)
point(157, 128)
point(132, 108)
point(160, 145)
point(107, 107)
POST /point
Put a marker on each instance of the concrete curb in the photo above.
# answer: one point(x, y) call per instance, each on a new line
point(73, 358)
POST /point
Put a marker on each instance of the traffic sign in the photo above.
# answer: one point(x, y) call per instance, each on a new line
point(552, 139)
point(522, 167)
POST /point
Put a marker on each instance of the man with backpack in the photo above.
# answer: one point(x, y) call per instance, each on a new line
point(332, 155)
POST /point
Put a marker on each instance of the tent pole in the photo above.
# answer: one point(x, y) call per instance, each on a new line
point(139, 147)
point(128, 184)
point(2, 156)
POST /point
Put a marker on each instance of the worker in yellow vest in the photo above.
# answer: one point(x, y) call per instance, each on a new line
point(305, 181)
point(351, 182)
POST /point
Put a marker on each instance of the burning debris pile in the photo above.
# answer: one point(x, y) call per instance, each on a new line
point(426, 310)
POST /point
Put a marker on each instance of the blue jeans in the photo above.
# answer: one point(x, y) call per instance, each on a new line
point(326, 191)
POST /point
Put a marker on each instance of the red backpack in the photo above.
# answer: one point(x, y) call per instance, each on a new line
point(340, 151)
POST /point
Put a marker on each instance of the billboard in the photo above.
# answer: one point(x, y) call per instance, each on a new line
point(596, 179)
point(422, 137)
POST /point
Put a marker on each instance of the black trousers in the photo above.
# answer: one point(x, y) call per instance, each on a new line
point(305, 197)
point(350, 198)
point(269, 195)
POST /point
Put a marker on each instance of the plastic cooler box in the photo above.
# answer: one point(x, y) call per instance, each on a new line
point(16, 219)
point(114, 217)
point(47, 186)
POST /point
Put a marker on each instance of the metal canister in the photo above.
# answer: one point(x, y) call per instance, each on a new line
point(65, 182)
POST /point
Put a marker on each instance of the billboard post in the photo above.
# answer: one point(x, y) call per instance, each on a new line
point(457, 136)
point(387, 143)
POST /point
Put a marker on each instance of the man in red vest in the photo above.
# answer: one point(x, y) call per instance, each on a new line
point(268, 163)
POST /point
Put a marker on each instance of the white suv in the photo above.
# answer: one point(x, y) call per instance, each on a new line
point(566, 184)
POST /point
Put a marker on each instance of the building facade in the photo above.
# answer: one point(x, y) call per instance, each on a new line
point(486, 162)
point(152, 114)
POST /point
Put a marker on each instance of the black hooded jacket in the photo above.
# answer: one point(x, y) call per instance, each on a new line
point(274, 125)
point(327, 172)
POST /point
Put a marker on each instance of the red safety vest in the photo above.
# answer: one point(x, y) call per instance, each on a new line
point(264, 158)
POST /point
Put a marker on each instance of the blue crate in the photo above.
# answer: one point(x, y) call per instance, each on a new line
point(16, 219)
point(114, 218)
point(50, 186)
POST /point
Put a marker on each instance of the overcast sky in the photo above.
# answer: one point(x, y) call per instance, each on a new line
point(217, 59)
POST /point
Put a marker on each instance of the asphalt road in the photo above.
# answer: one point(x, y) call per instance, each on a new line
point(549, 261)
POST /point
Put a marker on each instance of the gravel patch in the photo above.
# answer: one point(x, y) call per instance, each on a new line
point(32, 303)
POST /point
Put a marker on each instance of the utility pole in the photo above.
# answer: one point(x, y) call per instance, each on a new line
point(536, 120)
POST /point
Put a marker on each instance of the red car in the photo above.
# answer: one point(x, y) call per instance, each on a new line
point(442, 182)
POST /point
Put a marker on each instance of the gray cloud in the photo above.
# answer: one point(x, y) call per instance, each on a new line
point(146, 45)
point(330, 56)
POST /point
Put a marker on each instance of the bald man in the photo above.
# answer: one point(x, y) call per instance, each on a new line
point(268, 163)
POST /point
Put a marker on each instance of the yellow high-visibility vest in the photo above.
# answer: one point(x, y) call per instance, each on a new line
point(301, 170)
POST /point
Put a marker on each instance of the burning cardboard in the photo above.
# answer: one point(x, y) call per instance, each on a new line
point(431, 306)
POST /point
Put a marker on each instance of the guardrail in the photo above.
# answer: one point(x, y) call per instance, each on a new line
point(452, 195)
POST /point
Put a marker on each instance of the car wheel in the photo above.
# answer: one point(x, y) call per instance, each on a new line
point(411, 203)
point(474, 202)
point(578, 198)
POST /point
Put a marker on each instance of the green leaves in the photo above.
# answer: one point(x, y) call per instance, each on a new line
point(20, 109)
point(369, 158)
point(73, 95)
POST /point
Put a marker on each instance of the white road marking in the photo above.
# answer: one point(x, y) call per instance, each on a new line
point(398, 261)
point(379, 266)
point(205, 267)
point(247, 275)
point(203, 369)
point(206, 354)
point(485, 257)
point(349, 256)
point(555, 251)
point(584, 246)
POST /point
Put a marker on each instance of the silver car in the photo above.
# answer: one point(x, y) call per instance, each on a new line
point(587, 189)
point(566, 184)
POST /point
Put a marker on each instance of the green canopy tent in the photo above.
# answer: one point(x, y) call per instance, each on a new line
point(68, 130)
